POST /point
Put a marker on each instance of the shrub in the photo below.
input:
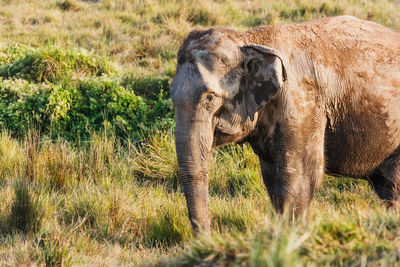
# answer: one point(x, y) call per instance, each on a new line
point(98, 104)
point(67, 93)
point(54, 64)
point(23, 104)
point(10, 53)
point(74, 111)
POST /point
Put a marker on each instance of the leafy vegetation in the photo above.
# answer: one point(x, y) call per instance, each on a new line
point(71, 94)
point(52, 64)
point(88, 171)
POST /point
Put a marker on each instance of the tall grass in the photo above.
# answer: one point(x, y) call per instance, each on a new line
point(105, 202)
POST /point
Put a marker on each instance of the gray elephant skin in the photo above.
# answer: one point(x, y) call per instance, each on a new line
point(311, 98)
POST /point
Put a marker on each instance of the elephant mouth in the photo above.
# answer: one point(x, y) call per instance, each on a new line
point(221, 137)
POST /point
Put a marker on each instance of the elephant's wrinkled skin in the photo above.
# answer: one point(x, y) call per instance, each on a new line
point(321, 96)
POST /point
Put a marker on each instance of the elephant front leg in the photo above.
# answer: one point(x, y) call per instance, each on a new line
point(294, 175)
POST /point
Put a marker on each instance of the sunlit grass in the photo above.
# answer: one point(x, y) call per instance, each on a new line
point(143, 36)
point(98, 202)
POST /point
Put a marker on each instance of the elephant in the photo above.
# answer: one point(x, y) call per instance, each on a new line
point(311, 98)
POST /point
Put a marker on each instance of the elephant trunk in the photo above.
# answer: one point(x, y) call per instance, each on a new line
point(193, 149)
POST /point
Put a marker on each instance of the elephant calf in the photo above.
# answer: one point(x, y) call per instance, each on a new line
point(321, 96)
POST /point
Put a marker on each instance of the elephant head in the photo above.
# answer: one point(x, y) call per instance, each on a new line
point(220, 85)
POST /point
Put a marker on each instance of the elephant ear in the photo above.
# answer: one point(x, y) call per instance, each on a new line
point(265, 75)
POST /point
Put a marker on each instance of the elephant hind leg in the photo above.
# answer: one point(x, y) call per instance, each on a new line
point(386, 180)
point(386, 188)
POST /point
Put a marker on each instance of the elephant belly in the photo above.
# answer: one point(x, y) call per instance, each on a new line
point(357, 146)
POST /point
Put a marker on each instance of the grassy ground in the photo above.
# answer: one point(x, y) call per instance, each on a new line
point(88, 172)
point(103, 203)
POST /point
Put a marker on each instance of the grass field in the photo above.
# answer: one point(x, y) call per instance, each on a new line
point(88, 171)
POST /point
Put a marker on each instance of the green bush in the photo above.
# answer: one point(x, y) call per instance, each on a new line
point(53, 64)
point(10, 53)
point(23, 104)
point(69, 94)
point(75, 111)
point(103, 104)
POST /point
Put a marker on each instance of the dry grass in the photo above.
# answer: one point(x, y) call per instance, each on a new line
point(103, 203)
point(143, 36)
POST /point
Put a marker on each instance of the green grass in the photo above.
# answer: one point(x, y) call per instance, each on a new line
point(88, 170)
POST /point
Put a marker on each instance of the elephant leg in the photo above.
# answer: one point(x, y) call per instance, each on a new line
point(386, 180)
point(292, 162)
point(293, 191)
